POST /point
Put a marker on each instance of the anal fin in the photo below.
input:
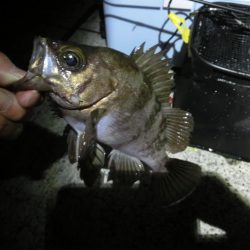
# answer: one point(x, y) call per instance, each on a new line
point(179, 182)
point(124, 169)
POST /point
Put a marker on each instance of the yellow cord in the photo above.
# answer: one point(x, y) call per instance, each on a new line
point(179, 23)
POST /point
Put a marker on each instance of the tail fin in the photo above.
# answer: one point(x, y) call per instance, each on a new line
point(179, 182)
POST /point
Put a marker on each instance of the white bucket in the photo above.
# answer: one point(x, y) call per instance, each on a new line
point(129, 23)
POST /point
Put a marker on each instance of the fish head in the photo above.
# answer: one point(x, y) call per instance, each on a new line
point(77, 78)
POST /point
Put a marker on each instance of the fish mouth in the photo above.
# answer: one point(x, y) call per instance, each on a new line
point(38, 54)
point(34, 80)
point(63, 102)
point(75, 103)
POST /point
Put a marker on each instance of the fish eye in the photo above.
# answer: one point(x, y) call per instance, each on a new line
point(72, 61)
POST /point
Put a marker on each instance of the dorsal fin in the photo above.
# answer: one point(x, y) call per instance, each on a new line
point(137, 52)
point(157, 74)
point(156, 69)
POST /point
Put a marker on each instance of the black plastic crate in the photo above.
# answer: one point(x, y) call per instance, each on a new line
point(221, 39)
point(216, 89)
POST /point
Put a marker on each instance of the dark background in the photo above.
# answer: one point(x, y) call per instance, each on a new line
point(21, 21)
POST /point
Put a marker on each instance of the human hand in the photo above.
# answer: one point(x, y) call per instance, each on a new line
point(13, 106)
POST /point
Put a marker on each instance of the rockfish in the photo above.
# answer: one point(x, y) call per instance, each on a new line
point(109, 98)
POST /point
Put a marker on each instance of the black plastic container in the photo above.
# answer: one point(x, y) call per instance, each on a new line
point(217, 88)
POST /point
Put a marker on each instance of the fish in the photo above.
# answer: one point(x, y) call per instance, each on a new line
point(120, 101)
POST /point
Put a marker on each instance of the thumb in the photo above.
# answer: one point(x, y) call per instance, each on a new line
point(9, 106)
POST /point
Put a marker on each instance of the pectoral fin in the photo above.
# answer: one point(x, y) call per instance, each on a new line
point(124, 169)
point(180, 181)
point(91, 165)
point(83, 149)
point(72, 145)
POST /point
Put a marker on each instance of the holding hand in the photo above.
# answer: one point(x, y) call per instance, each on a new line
point(13, 106)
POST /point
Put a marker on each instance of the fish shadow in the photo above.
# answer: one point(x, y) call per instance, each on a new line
point(126, 218)
point(32, 153)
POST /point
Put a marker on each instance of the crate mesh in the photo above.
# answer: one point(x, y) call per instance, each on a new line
point(221, 41)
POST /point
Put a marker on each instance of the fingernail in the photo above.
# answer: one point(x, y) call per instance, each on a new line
point(6, 100)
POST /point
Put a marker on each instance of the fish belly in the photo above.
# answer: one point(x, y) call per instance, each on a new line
point(140, 135)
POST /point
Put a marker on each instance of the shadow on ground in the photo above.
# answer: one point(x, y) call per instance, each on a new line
point(89, 218)
point(32, 153)
point(117, 218)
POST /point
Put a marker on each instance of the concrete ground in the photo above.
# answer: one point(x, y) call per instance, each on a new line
point(44, 204)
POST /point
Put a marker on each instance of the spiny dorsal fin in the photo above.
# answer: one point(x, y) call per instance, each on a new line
point(124, 169)
point(178, 129)
point(137, 52)
point(156, 69)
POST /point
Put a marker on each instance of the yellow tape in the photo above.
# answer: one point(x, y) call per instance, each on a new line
point(179, 23)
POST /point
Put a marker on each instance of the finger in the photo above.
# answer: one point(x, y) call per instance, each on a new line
point(8, 129)
point(9, 106)
point(8, 71)
point(28, 98)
